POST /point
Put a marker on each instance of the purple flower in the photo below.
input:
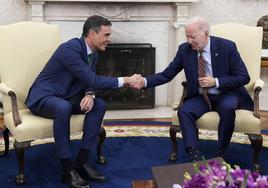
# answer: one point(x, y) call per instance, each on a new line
point(197, 181)
point(262, 182)
point(220, 175)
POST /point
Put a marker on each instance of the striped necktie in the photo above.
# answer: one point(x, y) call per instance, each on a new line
point(202, 73)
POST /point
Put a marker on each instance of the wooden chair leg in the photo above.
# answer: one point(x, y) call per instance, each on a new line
point(5, 133)
point(102, 136)
point(19, 149)
point(256, 143)
point(172, 132)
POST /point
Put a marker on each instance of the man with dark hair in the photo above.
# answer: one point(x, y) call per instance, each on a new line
point(66, 86)
point(94, 22)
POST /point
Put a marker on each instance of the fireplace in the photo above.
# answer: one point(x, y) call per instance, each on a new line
point(121, 60)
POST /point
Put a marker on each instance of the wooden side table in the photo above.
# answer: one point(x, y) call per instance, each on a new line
point(1, 122)
point(143, 184)
point(264, 61)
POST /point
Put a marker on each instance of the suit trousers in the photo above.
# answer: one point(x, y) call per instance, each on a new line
point(61, 110)
point(193, 108)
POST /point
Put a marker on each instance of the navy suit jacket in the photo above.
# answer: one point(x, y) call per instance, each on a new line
point(67, 74)
point(227, 66)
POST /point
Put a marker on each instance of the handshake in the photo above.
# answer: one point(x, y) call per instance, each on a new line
point(135, 81)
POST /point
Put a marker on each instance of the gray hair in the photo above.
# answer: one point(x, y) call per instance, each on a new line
point(201, 22)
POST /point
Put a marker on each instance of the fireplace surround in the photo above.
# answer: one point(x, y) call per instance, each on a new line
point(120, 60)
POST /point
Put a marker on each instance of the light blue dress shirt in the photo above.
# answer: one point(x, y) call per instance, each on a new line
point(209, 72)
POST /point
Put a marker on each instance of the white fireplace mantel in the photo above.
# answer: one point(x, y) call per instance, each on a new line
point(37, 7)
point(120, 1)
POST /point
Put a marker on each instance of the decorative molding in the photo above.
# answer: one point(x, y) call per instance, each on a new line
point(119, 1)
point(45, 10)
point(181, 14)
point(37, 12)
point(113, 12)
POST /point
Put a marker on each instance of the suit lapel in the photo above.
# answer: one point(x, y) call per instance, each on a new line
point(193, 63)
point(84, 50)
point(215, 57)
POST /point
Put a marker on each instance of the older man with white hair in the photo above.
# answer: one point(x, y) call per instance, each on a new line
point(215, 75)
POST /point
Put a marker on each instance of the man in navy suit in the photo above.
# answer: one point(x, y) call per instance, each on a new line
point(66, 86)
point(225, 77)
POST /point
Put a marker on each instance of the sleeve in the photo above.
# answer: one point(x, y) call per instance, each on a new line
point(167, 74)
point(72, 59)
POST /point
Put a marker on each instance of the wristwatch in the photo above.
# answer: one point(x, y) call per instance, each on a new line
point(92, 94)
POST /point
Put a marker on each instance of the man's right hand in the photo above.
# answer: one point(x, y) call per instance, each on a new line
point(135, 81)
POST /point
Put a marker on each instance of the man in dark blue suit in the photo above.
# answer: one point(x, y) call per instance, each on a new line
point(66, 86)
point(224, 80)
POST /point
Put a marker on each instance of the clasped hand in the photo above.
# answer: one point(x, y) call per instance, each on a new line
point(207, 81)
point(87, 103)
point(135, 81)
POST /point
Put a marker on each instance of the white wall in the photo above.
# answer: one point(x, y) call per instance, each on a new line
point(12, 11)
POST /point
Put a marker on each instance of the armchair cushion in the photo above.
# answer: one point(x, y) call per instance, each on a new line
point(245, 121)
point(36, 127)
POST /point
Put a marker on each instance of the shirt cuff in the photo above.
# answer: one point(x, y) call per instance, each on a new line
point(90, 93)
point(145, 82)
point(120, 82)
point(217, 82)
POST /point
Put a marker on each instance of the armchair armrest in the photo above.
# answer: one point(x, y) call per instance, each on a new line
point(176, 106)
point(10, 92)
point(258, 85)
point(5, 89)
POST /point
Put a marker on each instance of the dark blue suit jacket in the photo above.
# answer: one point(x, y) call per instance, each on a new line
point(227, 66)
point(67, 74)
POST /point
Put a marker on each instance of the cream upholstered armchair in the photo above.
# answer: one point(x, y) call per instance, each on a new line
point(249, 42)
point(25, 48)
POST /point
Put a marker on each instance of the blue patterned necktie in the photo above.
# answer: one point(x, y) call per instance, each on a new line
point(202, 73)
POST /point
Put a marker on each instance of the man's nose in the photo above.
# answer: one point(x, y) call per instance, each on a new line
point(190, 41)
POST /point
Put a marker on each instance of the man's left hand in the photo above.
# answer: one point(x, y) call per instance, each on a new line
point(207, 81)
point(87, 103)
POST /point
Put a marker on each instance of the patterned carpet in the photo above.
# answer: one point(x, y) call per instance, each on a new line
point(130, 128)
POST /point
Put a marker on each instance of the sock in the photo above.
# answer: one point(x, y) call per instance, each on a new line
point(67, 165)
point(82, 157)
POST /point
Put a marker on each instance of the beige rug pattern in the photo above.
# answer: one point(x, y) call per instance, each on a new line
point(147, 131)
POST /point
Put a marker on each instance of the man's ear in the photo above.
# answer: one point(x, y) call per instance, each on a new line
point(91, 33)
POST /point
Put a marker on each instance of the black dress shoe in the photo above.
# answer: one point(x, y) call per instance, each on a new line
point(195, 154)
point(89, 173)
point(74, 180)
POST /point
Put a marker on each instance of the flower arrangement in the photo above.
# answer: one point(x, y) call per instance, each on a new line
point(216, 174)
